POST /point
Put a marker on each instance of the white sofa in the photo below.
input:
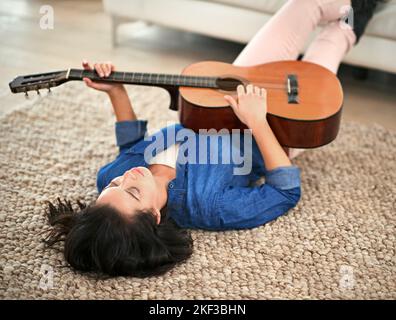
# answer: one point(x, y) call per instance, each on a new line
point(239, 20)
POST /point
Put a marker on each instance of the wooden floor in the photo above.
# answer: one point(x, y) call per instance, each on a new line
point(82, 31)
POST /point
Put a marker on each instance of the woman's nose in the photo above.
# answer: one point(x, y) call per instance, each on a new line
point(128, 177)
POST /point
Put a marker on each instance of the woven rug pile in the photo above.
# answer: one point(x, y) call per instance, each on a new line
point(338, 243)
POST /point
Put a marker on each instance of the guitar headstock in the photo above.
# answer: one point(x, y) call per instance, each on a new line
point(35, 82)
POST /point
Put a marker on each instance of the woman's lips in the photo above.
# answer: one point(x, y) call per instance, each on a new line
point(138, 170)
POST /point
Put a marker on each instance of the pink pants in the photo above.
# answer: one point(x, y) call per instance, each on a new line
point(283, 37)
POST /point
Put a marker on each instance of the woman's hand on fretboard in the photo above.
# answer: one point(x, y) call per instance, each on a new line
point(103, 70)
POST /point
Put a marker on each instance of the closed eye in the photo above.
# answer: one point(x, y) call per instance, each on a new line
point(135, 193)
point(131, 191)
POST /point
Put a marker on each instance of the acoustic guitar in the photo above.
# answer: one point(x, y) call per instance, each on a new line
point(304, 99)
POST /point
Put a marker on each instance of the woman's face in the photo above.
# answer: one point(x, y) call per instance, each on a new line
point(134, 191)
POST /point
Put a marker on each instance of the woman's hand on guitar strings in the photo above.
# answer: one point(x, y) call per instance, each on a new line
point(103, 69)
point(251, 104)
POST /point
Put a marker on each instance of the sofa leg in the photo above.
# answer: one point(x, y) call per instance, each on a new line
point(114, 26)
point(117, 20)
point(360, 73)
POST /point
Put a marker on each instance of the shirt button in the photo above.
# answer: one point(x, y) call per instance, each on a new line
point(171, 185)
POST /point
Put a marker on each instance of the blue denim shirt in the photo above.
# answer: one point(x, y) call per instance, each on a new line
point(208, 196)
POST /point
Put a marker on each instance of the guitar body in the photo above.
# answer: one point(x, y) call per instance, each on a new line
point(311, 122)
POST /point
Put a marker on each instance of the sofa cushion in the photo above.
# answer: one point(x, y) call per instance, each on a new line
point(267, 6)
point(383, 23)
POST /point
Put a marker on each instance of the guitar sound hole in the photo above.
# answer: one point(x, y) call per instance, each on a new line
point(228, 84)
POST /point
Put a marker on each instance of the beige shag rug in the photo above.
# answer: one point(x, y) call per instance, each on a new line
point(338, 243)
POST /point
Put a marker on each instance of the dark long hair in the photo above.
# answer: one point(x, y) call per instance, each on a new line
point(98, 238)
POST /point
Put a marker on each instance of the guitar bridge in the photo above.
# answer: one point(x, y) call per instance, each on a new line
point(292, 89)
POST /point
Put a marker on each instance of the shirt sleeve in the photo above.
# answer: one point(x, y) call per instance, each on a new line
point(129, 132)
point(283, 178)
point(249, 207)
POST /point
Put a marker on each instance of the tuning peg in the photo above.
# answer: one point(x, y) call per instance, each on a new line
point(49, 91)
point(26, 95)
point(38, 92)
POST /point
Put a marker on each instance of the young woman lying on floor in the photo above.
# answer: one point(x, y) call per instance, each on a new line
point(136, 225)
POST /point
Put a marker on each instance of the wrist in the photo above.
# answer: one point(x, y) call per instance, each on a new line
point(258, 124)
point(116, 90)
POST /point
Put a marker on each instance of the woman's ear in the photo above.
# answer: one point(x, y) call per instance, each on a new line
point(157, 214)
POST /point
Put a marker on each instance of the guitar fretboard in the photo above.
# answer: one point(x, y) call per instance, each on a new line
point(146, 78)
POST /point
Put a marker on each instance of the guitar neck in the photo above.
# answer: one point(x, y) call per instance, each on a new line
point(150, 79)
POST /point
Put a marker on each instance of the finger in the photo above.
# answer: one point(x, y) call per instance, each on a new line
point(249, 89)
point(86, 65)
point(106, 69)
point(98, 69)
point(88, 82)
point(110, 66)
point(91, 84)
point(232, 102)
point(95, 66)
point(257, 90)
point(263, 92)
point(240, 90)
point(103, 67)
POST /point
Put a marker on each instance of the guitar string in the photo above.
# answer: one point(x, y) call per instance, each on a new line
point(266, 85)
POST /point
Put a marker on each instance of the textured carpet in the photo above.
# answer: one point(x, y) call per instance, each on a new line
point(338, 243)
